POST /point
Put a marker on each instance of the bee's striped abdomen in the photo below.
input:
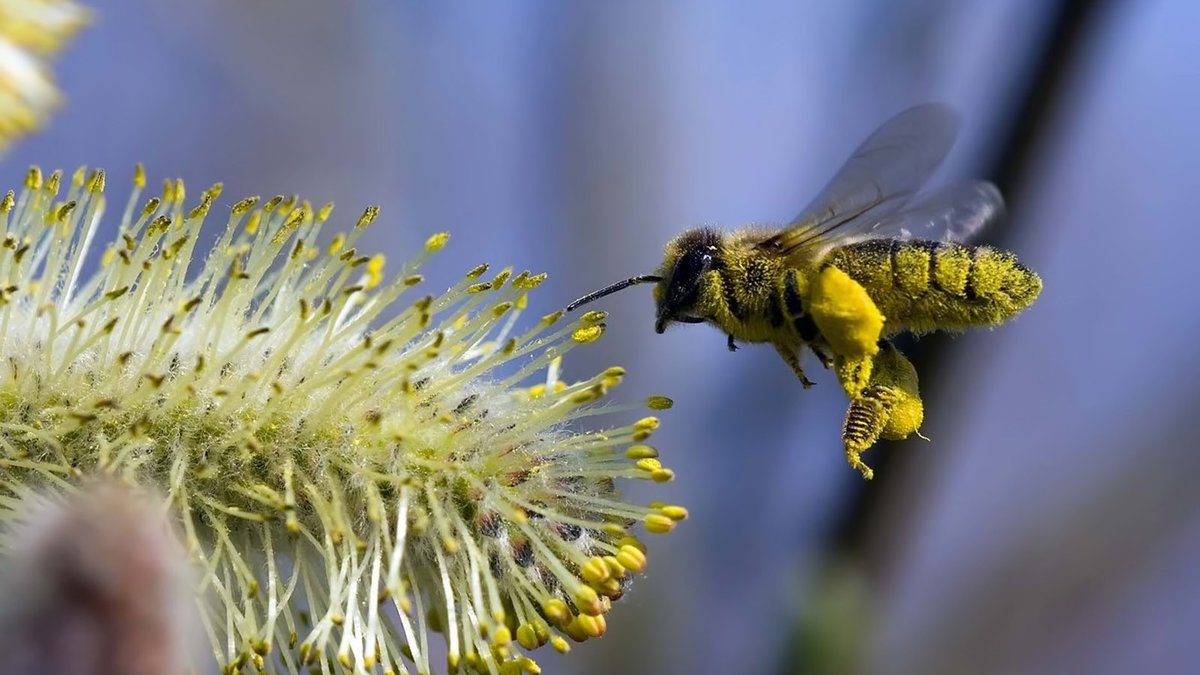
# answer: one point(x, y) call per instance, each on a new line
point(793, 304)
point(923, 286)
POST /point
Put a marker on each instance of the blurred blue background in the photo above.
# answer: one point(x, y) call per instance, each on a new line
point(1051, 525)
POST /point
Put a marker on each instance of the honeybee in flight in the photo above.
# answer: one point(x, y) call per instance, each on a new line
point(868, 259)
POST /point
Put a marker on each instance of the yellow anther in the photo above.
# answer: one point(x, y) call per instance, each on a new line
point(676, 513)
point(587, 600)
point(609, 588)
point(33, 179)
point(574, 630)
point(244, 205)
point(324, 212)
point(556, 610)
point(375, 270)
point(527, 637)
point(560, 645)
point(372, 212)
point(631, 558)
point(630, 540)
point(662, 476)
point(595, 316)
point(657, 523)
point(96, 186)
point(659, 403)
point(588, 334)
point(200, 210)
point(293, 220)
point(213, 192)
point(502, 637)
point(615, 569)
point(594, 571)
point(646, 424)
point(54, 182)
point(593, 393)
point(527, 281)
point(139, 176)
point(64, 211)
point(615, 529)
point(437, 242)
point(649, 464)
point(641, 452)
point(502, 278)
point(592, 626)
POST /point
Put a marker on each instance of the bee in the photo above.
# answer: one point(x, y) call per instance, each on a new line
point(868, 259)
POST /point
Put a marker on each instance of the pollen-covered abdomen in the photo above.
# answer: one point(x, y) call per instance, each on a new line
point(922, 286)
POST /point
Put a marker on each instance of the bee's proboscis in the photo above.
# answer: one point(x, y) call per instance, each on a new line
point(619, 286)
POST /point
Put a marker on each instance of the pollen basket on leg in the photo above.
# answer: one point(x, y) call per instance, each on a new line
point(353, 463)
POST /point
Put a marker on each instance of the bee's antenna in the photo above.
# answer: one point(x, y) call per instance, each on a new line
point(619, 286)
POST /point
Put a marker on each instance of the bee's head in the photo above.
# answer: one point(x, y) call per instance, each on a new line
point(688, 258)
point(678, 283)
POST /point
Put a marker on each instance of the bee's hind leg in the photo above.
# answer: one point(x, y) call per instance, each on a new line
point(732, 345)
point(793, 360)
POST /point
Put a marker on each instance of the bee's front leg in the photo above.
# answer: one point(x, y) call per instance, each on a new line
point(825, 359)
point(732, 345)
point(793, 360)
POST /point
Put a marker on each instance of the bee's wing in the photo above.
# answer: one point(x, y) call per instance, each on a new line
point(878, 179)
point(953, 213)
